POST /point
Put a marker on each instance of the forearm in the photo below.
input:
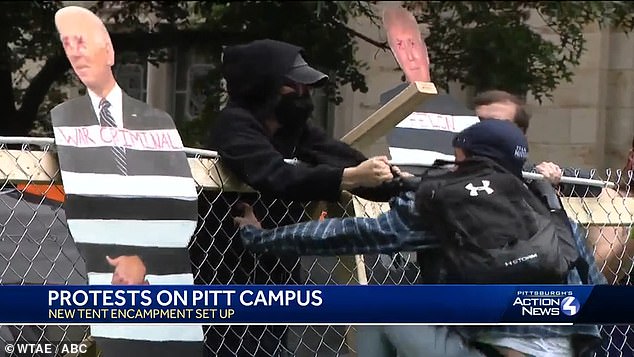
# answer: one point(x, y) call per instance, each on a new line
point(285, 181)
point(303, 239)
point(349, 179)
point(594, 271)
point(245, 149)
point(388, 190)
point(346, 236)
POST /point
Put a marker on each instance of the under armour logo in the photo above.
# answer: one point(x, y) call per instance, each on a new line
point(474, 189)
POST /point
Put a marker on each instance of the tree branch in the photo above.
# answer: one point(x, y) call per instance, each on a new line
point(139, 41)
point(56, 66)
point(7, 99)
point(53, 70)
point(355, 33)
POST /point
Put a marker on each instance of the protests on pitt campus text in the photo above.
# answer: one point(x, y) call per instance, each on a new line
point(307, 305)
point(182, 298)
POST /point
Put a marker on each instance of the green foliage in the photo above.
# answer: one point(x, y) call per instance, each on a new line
point(27, 34)
point(490, 45)
point(480, 44)
point(318, 26)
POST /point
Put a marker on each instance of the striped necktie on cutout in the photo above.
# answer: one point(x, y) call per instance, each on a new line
point(106, 120)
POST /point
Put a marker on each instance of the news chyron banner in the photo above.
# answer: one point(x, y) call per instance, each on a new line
point(305, 305)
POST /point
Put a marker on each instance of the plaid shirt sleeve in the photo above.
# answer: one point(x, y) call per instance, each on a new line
point(595, 276)
point(395, 230)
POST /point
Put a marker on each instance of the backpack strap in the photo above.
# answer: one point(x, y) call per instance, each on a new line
point(547, 194)
point(583, 268)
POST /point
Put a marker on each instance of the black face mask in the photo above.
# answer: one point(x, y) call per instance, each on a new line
point(293, 110)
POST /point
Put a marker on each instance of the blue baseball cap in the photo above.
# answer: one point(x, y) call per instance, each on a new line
point(499, 140)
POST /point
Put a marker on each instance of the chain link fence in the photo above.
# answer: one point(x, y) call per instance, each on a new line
point(36, 248)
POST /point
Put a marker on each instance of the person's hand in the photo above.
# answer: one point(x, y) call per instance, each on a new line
point(128, 270)
point(248, 217)
point(551, 172)
point(398, 171)
point(372, 172)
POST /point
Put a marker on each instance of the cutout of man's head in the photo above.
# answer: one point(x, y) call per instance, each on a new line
point(406, 42)
point(87, 45)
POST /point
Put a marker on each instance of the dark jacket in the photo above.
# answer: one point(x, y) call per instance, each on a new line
point(254, 73)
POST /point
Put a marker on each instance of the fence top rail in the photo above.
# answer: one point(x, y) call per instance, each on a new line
point(43, 142)
point(41, 167)
point(49, 144)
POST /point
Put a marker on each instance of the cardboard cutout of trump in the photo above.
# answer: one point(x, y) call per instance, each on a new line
point(131, 202)
point(406, 43)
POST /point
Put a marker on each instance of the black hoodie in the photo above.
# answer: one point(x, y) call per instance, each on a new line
point(255, 73)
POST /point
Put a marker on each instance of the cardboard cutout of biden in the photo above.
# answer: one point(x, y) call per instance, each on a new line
point(131, 202)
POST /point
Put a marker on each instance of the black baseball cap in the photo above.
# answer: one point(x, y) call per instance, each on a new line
point(500, 140)
point(301, 72)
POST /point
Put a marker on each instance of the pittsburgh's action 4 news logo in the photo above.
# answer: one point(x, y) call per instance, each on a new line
point(547, 303)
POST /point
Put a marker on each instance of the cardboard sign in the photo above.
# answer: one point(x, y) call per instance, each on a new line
point(151, 212)
point(128, 187)
point(425, 134)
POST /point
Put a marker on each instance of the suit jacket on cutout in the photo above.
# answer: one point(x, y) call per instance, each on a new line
point(157, 200)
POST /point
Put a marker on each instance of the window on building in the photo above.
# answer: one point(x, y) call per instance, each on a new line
point(191, 86)
point(191, 83)
point(197, 89)
point(131, 79)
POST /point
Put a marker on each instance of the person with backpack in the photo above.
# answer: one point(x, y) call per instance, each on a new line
point(610, 244)
point(465, 223)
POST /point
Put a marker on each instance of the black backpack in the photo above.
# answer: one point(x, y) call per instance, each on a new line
point(494, 229)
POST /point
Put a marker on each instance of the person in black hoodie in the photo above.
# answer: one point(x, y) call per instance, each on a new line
point(265, 122)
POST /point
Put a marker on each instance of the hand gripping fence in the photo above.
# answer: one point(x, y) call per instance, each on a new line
point(36, 248)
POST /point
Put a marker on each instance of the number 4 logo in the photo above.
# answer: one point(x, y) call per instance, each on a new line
point(570, 306)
